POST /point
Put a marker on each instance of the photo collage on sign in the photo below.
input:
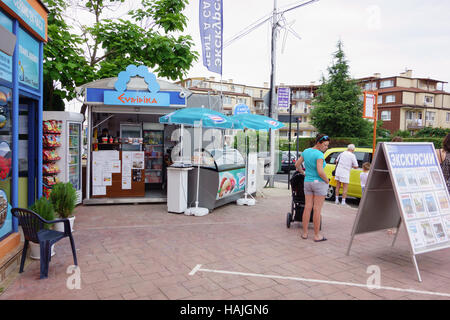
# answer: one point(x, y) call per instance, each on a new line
point(425, 205)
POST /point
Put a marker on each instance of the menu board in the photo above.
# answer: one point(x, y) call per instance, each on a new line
point(422, 193)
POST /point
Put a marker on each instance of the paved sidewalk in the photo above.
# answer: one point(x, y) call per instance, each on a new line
point(143, 252)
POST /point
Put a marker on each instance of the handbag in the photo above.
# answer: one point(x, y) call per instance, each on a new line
point(333, 173)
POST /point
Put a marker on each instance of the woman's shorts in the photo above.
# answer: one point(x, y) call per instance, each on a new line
point(317, 188)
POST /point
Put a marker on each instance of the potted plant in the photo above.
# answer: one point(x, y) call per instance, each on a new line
point(45, 209)
point(63, 197)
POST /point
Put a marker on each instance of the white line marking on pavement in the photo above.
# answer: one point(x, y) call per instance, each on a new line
point(198, 268)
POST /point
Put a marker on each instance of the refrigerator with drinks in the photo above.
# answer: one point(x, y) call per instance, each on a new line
point(62, 148)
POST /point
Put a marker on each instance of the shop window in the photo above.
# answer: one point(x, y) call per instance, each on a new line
point(23, 140)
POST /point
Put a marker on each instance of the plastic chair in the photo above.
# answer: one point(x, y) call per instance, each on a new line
point(33, 230)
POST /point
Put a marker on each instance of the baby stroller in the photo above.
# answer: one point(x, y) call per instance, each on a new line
point(298, 200)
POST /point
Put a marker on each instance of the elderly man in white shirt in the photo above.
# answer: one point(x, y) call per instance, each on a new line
point(345, 162)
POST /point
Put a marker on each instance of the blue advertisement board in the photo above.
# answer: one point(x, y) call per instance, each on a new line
point(5, 60)
point(26, 12)
point(5, 215)
point(28, 72)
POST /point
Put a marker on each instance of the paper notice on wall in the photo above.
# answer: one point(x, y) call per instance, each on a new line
point(127, 158)
point(126, 183)
point(97, 174)
point(98, 191)
point(107, 178)
point(138, 160)
point(115, 166)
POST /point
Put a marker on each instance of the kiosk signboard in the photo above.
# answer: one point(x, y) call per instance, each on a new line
point(30, 16)
point(406, 184)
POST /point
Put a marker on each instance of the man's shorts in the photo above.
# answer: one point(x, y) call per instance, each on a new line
point(342, 179)
point(317, 188)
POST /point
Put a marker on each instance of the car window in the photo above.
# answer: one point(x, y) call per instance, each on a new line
point(331, 159)
point(360, 156)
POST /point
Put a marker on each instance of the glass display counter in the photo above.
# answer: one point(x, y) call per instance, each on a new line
point(222, 178)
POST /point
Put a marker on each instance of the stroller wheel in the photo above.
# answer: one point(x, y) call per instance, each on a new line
point(288, 220)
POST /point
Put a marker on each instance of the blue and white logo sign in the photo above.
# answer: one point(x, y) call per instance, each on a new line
point(123, 97)
point(216, 119)
point(241, 109)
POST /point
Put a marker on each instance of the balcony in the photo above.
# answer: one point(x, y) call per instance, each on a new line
point(414, 124)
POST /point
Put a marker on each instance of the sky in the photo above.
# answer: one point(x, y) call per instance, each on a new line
point(379, 36)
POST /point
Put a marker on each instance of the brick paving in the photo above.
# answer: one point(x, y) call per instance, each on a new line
point(133, 252)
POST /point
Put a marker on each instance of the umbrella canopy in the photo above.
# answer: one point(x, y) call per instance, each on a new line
point(256, 122)
point(208, 117)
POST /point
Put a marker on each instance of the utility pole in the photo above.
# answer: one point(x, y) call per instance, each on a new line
point(273, 105)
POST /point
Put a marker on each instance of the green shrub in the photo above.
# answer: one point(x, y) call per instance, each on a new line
point(402, 133)
point(63, 197)
point(432, 132)
point(436, 141)
point(45, 209)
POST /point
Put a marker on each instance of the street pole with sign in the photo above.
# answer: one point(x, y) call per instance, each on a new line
point(371, 112)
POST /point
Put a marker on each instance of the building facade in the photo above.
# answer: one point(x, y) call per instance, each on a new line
point(233, 93)
point(408, 103)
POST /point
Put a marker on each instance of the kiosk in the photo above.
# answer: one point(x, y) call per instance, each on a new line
point(23, 32)
point(128, 149)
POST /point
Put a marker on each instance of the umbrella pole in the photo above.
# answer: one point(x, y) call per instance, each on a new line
point(245, 200)
point(199, 160)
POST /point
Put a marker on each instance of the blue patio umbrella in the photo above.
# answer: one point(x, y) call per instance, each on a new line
point(203, 117)
point(199, 117)
point(255, 122)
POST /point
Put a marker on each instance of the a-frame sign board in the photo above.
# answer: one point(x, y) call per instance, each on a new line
point(406, 184)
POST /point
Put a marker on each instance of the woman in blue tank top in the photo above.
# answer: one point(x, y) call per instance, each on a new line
point(316, 183)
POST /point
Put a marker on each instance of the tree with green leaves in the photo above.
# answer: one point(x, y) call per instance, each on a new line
point(149, 35)
point(338, 106)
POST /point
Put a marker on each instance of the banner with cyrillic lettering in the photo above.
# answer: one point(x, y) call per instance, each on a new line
point(211, 33)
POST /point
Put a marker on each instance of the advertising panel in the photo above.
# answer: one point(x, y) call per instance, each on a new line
point(28, 60)
point(5, 215)
point(284, 98)
point(231, 182)
point(423, 195)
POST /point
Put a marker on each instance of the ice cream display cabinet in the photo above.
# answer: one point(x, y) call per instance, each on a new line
point(222, 178)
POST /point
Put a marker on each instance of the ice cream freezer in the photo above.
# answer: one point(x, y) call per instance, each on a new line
point(222, 178)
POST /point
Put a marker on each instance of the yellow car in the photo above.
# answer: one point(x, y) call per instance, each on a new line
point(354, 187)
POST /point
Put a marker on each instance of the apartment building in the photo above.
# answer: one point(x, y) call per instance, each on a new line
point(302, 96)
point(408, 103)
point(233, 93)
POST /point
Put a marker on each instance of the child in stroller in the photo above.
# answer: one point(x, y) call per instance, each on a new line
point(298, 200)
